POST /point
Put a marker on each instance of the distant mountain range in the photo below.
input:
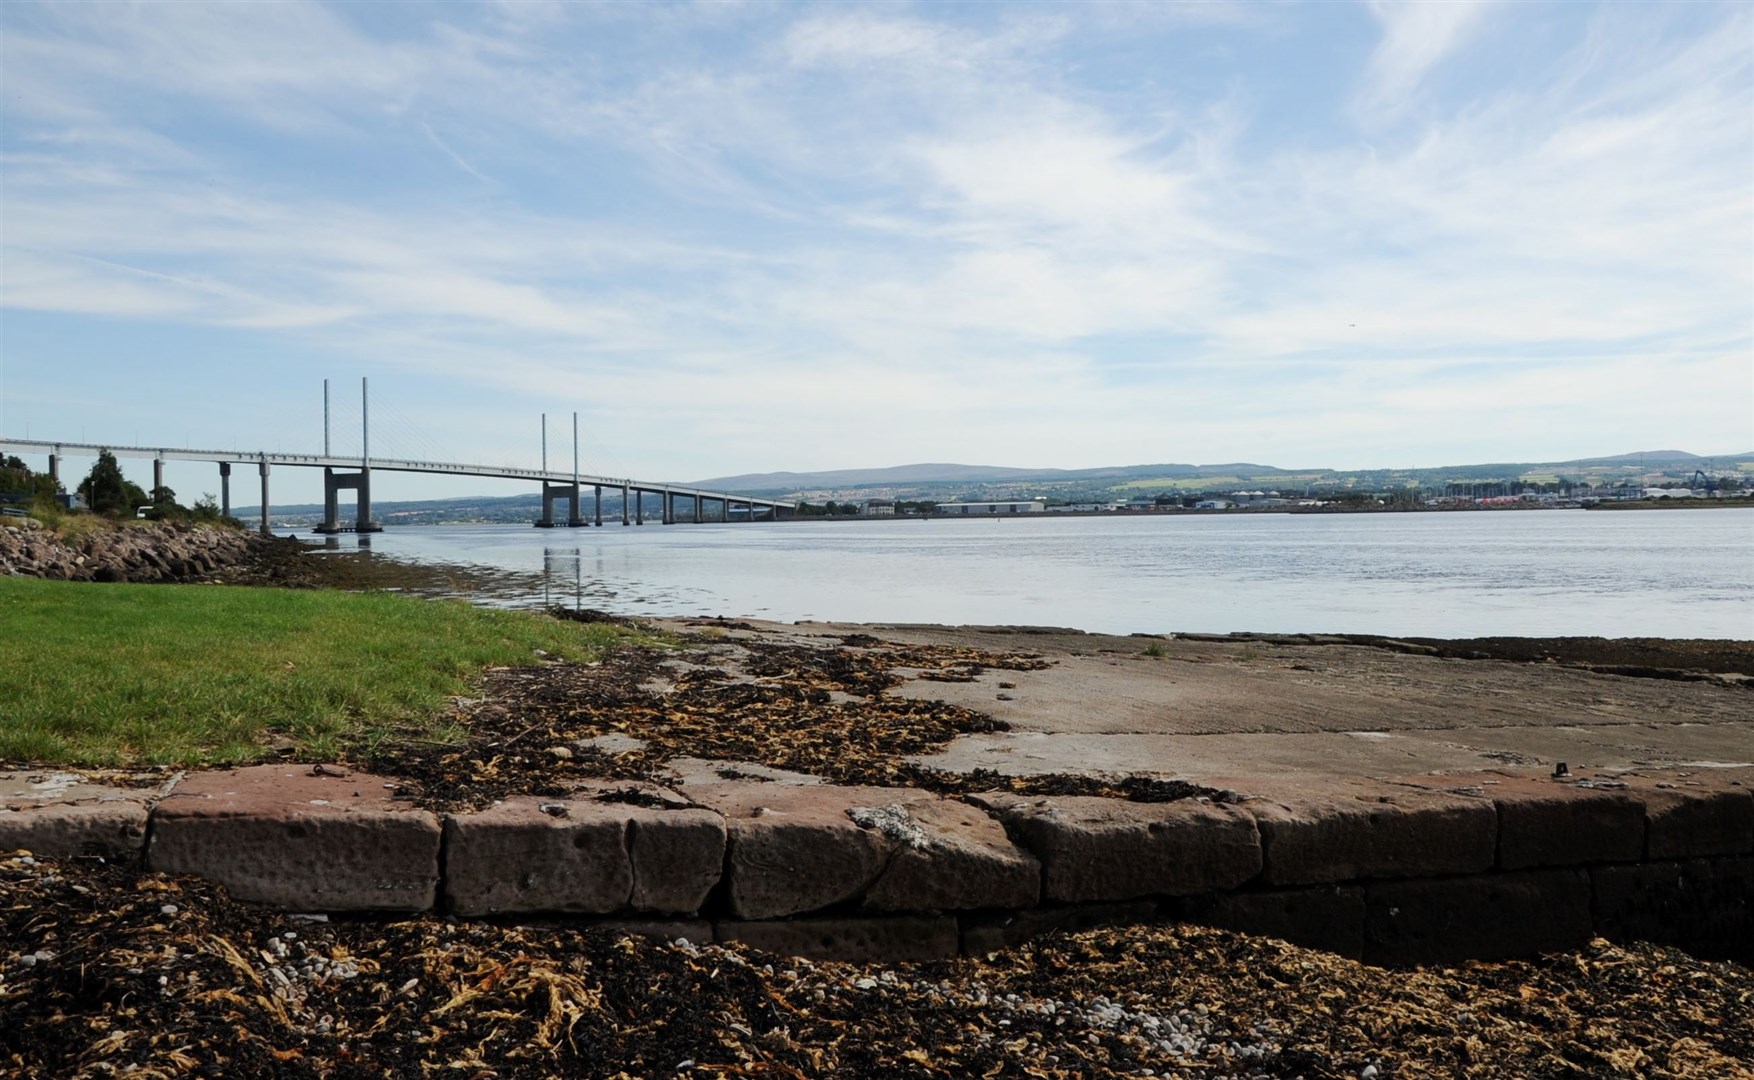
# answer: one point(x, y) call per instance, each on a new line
point(943, 481)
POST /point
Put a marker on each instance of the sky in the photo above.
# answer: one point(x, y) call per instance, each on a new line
point(743, 237)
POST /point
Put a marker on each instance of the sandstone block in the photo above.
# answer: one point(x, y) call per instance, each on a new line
point(1484, 917)
point(601, 850)
point(1348, 832)
point(277, 835)
point(114, 830)
point(963, 861)
point(1095, 849)
point(1328, 917)
point(678, 856)
point(795, 849)
point(59, 814)
point(516, 858)
point(1705, 906)
point(1694, 813)
point(1548, 822)
point(863, 939)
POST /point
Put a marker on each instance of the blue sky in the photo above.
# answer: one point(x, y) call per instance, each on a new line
point(747, 237)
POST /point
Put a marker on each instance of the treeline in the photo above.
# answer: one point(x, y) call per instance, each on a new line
point(105, 492)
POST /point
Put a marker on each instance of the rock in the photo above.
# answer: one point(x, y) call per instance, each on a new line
point(61, 814)
point(1110, 849)
point(1695, 813)
point(1548, 822)
point(592, 856)
point(795, 849)
point(1483, 917)
point(1345, 831)
point(276, 835)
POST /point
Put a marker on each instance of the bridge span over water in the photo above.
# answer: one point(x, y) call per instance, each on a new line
point(355, 473)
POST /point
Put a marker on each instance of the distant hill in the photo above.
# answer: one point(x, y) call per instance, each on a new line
point(945, 481)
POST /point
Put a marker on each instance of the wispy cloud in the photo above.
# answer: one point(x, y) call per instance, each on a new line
point(994, 233)
point(1418, 35)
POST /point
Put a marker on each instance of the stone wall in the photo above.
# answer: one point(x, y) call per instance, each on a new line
point(1424, 869)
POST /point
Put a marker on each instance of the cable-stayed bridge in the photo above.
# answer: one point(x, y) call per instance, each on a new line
point(342, 473)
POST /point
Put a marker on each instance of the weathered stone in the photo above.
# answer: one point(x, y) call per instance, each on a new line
point(1550, 822)
point(60, 813)
point(277, 835)
point(1347, 831)
point(966, 861)
point(1705, 906)
point(1694, 813)
point(983, 933)
point(794, 849)
point(678, 856)
point(1328, 917)
point(114, 830)
point(1483, 917)
point(514, 857)
point(602, 849)
point(880, 938)
point(1111, 849)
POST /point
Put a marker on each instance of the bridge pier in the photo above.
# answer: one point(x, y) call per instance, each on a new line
point(639, 507)
point(225, 488)
point(157, 478)
point(333, 484)
point(569, 492)
point(264, 467)
point(696, 517)
point(669, 508)
point(598, 503)
point(625, 509)
point(55, 468)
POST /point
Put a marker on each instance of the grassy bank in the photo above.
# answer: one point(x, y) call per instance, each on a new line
point(124, 674)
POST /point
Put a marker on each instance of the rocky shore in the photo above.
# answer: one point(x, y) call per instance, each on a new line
point(145, 553)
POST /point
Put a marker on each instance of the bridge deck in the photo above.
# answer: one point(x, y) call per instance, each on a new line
point(320, 461)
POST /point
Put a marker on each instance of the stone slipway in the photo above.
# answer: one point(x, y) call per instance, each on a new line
point(1391, 805)
point(1400, 870)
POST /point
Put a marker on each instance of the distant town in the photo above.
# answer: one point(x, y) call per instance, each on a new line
point(1657, 478)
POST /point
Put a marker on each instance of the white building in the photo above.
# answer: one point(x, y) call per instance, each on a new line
point(1020, 506)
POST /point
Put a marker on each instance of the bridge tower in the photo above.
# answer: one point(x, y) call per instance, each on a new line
point(359, 482)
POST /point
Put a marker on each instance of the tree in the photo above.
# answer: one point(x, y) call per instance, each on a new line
point(107, 491)
point(16, 478)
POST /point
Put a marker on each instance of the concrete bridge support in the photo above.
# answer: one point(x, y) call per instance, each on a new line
point(598, 503)
point(55, 468)
point(639, 507)
point(697, 518)
point(264, 466)
point(669, 508)
point(569, 492)
point(626, 510)
point(157, 477)
point(225, 488)
point(333, 484)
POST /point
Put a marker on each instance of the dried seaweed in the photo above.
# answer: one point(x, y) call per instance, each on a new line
point(818, 710)
point(105, 971)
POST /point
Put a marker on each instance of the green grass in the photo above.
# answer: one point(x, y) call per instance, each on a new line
point(198, 674)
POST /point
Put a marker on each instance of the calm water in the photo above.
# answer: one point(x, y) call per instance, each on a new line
point(1673, 573)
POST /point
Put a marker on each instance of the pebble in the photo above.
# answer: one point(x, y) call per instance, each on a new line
point(168, 909)
point(1367, 1073)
